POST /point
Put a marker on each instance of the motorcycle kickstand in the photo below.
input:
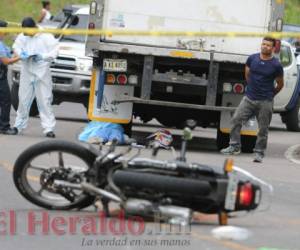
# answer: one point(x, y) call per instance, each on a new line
point(102, 203)
point(223, 218)
point(105, 206)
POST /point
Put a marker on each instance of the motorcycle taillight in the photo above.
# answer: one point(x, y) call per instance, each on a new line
point(248, 196)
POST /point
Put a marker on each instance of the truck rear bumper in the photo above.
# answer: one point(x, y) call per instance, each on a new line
point(125, 99)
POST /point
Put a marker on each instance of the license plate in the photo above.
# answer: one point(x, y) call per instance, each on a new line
point(115, 65)
point(231, 191)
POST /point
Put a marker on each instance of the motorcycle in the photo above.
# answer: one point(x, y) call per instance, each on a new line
point(80, 175)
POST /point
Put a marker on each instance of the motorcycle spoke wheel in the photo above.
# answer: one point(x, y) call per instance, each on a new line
point(38, 168)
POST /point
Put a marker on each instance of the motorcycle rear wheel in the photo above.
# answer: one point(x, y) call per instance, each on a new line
point(57, 155)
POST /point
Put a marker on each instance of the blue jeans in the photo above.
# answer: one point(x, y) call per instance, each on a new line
point(263, 111)
point(5, 103)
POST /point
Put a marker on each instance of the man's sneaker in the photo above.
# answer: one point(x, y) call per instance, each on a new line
point(50, 134)
point(231, 150)
point(10, 131)
point(258, 157)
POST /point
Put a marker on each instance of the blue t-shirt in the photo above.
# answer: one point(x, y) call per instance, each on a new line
point(4, 51)
point(262, 75)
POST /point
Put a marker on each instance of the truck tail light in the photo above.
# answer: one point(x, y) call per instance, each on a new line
point(238, 88)
point(110, 79)
point(122, 79)
point(91, 26)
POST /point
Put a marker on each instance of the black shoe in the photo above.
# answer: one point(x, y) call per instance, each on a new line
point(50, 134)
point(10, 131)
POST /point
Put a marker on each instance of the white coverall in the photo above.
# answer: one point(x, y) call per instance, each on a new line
point(35, 79)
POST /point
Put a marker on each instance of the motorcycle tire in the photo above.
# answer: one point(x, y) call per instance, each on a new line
point(23, 163)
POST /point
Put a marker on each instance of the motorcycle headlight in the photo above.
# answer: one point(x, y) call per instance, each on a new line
point(85, 65)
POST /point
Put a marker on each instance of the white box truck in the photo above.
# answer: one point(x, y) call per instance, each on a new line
point(174, 78)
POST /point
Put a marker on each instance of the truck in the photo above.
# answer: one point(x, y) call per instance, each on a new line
point(175, 78)
point(71, 70)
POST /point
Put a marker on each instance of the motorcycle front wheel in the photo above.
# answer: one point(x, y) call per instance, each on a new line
point(38, 167)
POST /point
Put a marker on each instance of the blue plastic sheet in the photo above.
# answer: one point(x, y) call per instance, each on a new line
point(105, 131)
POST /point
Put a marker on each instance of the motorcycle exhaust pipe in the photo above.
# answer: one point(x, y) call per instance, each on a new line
point(173, 214)
point(92, 189)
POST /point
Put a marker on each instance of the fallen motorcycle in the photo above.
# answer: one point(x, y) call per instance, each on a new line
point(79, 175)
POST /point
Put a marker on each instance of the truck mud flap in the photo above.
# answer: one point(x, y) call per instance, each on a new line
point(102, 103)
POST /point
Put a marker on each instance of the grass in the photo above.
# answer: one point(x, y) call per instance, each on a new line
point(292, 12)
point(16, 10)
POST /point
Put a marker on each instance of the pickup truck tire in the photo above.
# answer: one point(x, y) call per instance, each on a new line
point(247, 141)
point(15, 101)
point(291, 118)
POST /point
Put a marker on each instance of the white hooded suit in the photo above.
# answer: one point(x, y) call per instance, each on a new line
point(35, 78)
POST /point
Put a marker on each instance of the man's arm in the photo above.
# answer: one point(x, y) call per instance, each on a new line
point(247, 73)
point(6, 60)
point(279, 84)
point(42, 16)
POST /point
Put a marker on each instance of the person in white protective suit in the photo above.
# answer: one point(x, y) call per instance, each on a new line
point(37, 52)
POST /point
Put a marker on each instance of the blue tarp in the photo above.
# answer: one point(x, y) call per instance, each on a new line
point(105, 131)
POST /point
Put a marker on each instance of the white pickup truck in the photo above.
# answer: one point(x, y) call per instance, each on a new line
point(71, 70)
point(176, 78)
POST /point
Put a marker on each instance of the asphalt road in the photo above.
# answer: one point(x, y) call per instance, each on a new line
point(277, 228)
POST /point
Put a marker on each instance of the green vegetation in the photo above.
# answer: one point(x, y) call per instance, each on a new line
point(15, 10)
point(292, 12)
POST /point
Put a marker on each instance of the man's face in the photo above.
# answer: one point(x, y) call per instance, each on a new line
point(267, 47)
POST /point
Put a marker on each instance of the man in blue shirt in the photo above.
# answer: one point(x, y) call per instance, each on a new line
point(261, 70)
point(5, 101)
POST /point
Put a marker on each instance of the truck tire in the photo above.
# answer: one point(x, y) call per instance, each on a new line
point(291, 118)
point(247, 141)
point(15, 101)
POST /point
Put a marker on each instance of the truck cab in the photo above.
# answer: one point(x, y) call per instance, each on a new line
point(71, 70)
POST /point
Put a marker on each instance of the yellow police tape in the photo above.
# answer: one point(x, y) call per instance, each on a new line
point(103, 32)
